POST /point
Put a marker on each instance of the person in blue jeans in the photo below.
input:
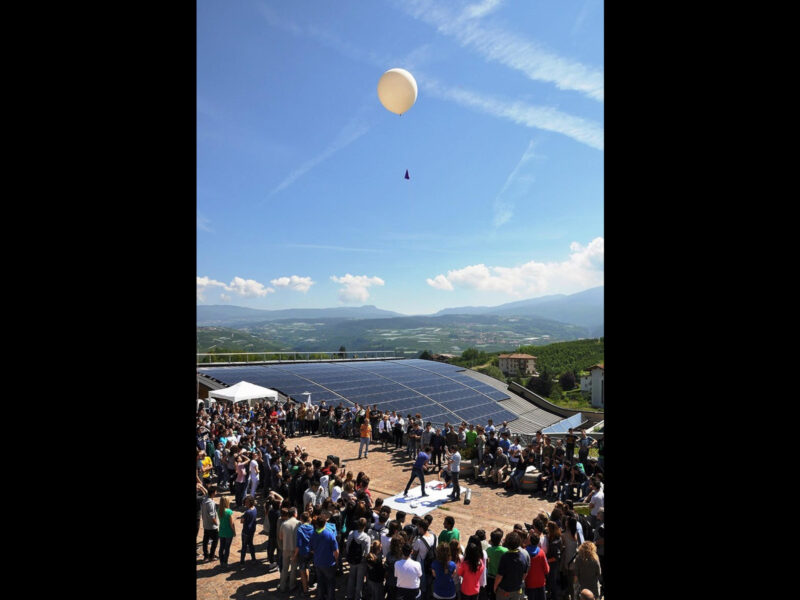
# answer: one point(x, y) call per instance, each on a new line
point(302, 553)
point(248, 528)
point(418, 470)
point(326, 555)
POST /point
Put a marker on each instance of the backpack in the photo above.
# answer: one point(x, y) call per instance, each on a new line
point(375, 534)
point(554, 549)
point(588, 530)
point(428, 562)
point(354, 551)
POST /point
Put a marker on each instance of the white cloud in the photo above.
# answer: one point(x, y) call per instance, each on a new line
point(539, 117)
point(507, 48)
point(248, 287)
point(440, 283)
point(583, 269)
point(203, 283)
point(243, 287)
point(296, 283)
point(355, 287)
point(225, 297)
point(481, 9)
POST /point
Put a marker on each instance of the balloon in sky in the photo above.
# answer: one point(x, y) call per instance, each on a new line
point(397, 90)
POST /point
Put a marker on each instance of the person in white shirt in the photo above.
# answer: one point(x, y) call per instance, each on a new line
point(384, 429)
point(455, 471)
point(386, 539)
point(408, 573)
point(399, 427)
point(253, 474)
point(337, 490)
point(596, 500)
point(312, 495)
point(324, 484)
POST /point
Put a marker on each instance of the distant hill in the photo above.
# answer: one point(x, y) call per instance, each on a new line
point(236, 316)
point(485, 310)
point(583, 308)
point(222, 339)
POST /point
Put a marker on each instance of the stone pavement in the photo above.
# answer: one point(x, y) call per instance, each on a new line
point(388, 472)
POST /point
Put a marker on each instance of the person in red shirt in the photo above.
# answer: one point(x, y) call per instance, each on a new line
point(536, 577)
point(470, 569)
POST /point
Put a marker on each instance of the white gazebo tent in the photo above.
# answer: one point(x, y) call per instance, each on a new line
point(243, 392)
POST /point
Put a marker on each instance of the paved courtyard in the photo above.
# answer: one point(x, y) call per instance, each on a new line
point(388, 472)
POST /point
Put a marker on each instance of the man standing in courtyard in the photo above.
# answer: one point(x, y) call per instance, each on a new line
point(287, 540)
point(366, 436)
point(455, 469)
point(208, 511)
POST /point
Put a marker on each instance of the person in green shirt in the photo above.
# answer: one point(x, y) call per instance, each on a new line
point(449, 532)
point(494, 553)
point(227, 530)
point(472, 435)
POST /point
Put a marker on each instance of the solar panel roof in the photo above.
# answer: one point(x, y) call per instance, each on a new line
point(439, 392)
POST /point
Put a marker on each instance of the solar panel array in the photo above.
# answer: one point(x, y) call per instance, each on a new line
point(439, 392)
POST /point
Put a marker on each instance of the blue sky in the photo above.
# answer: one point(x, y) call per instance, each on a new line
point(301, 200)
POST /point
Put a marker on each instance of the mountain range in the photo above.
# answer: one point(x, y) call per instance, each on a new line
point(223, 315)
point(507, 326)
point(582, 308)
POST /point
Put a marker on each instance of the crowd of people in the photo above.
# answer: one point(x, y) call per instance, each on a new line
point(320, 516)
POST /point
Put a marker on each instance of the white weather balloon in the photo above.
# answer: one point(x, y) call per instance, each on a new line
point(397, 90)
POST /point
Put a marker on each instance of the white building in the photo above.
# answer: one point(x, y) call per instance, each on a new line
point(517, 364)
point(597, 386)
point(586, 384)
